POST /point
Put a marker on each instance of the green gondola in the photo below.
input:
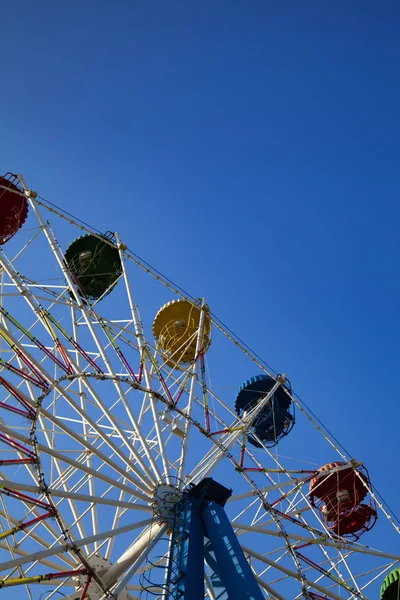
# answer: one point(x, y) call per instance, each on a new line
point(94, 264)
point(390, 588)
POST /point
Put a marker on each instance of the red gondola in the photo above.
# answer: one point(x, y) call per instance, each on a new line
point(337, 491)
point(13, 207)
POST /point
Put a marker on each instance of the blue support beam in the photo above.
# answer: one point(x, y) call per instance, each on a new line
point(226, 559)
point(214, 574)
point(186, 563)
point(198, 516)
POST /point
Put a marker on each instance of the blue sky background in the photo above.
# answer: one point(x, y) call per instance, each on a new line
point(250, 151)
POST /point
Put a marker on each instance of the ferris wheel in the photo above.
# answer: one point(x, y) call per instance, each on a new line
point(147, 453)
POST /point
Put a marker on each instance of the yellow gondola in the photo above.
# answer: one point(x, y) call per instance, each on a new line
point(176, 328)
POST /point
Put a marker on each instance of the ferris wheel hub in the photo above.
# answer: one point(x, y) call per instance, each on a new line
point(165, 498)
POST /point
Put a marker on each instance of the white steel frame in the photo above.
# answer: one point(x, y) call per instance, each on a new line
point(117, 451)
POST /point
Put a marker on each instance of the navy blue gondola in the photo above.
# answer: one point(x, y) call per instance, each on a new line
point(276, 419)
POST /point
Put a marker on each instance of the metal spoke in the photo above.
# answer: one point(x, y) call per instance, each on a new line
point(60, 548)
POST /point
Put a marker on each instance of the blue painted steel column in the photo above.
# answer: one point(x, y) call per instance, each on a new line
point(227, 559)
point(186, 560)
point(215, 576)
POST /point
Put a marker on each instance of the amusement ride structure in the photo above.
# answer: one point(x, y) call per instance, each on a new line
point(141, 448)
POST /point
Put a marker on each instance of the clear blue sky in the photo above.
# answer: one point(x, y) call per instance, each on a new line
point(249, 150)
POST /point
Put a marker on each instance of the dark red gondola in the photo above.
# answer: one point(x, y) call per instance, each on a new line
point(13, 207)
point(338, 491)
